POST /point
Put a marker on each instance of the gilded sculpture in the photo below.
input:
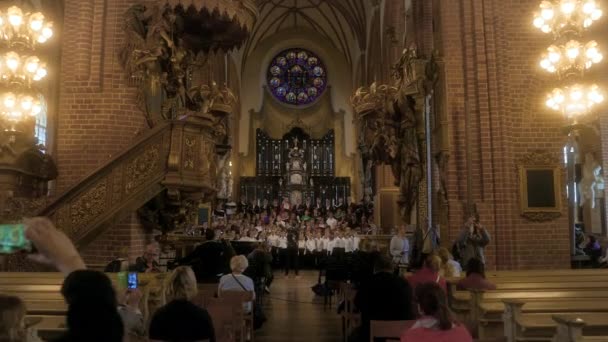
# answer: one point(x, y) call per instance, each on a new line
point(389, 120)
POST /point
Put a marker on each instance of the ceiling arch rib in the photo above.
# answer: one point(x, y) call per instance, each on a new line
point(343, 22)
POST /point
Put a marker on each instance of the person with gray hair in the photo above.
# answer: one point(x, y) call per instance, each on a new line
point(237, 281)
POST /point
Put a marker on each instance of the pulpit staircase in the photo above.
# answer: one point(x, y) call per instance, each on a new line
point(177, 156)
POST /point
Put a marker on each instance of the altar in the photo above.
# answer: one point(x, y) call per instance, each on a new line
point(296, 167)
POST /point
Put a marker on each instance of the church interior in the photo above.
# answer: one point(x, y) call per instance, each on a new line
point(315, 136)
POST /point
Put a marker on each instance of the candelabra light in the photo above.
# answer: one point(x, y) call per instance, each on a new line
point(571, 57)
point(20, 68)
point(575, 100)
point(567, 57)
point(564, 15)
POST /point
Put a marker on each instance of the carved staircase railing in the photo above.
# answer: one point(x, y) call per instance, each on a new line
point(173, 155)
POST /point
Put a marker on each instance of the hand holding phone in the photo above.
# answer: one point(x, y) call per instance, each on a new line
point(13, 240)
point(132, 280)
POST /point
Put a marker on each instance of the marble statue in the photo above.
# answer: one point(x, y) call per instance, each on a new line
point(591, 182)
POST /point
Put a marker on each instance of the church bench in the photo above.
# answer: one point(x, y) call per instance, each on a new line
point(391, 330)
point(570, 329)
point(48, 327)
point(500, 318)
point(540, 273)
point(46, 307)
point(519, 326)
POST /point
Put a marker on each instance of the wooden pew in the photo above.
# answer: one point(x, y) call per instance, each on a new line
point(520, 326)
point(391, 330)
point(48, 327)
point(570, 329)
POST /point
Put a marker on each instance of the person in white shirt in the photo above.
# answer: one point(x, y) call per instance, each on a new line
point(310, 250)
point(273, 242)
point(331, 221)
point(349, 243)
point(331, 243)
point(400, 247)
point(302, 249)
point(356, 241)
point(282, 246)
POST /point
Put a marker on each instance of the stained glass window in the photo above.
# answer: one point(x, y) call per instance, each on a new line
point(297, 77)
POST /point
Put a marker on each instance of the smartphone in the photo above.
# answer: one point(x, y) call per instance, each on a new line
point(12, 239)
point(132, 280)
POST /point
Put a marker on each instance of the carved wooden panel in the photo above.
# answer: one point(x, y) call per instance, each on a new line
point(125, 183)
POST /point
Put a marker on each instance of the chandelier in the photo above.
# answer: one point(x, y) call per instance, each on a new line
point(20, 69)
point(569, 58)
point(575, 100)
point(561, 16)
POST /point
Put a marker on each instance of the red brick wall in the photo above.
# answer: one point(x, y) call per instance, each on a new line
point(98, 115)
point(125, 240)
point(97, 112)
point(490, 52)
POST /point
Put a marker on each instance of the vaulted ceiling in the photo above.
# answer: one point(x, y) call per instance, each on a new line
point(342, 22)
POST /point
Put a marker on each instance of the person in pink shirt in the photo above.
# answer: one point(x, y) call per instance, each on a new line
point(476, 277)
point(436, 323)
point(429, 273)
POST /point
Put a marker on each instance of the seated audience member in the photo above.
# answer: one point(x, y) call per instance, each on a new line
point(208, 260)
point(593, 248)
point(147, 263)
point(179, 319)
point(429, 273)
point(236, 281)
point(449, 267)
point(383, 296)
point(92, 308)
point(476, 277)
point(131, 315)
point(436, 323)
point(12, 321)
point(91, 300)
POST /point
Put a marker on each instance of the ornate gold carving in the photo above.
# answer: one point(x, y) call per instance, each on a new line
point(141, 167)
point(189, 152)
point(16, 208)
point(538, 157)
point(88, 206)
point(545, 164)
point(541, 216)
point(390, 122)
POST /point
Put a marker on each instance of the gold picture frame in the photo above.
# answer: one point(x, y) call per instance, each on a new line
point(540, 187)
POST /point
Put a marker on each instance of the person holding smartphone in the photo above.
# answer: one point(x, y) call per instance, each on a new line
point(472, 240)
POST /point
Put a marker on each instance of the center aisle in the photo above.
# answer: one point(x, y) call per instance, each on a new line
point(295, 314)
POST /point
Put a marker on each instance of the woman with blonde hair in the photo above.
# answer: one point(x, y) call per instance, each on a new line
point(180, 319)
point(429, 273)
point(237, 281)
point(449, 267)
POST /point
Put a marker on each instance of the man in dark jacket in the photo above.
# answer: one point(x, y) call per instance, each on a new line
point(209, 260)
point(383, 297)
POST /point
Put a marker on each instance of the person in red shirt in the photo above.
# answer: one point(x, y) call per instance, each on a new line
point(476, 277)
point(436, 323)
point(429, 273)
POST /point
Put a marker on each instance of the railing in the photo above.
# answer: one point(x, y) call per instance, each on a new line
point(177, 155)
